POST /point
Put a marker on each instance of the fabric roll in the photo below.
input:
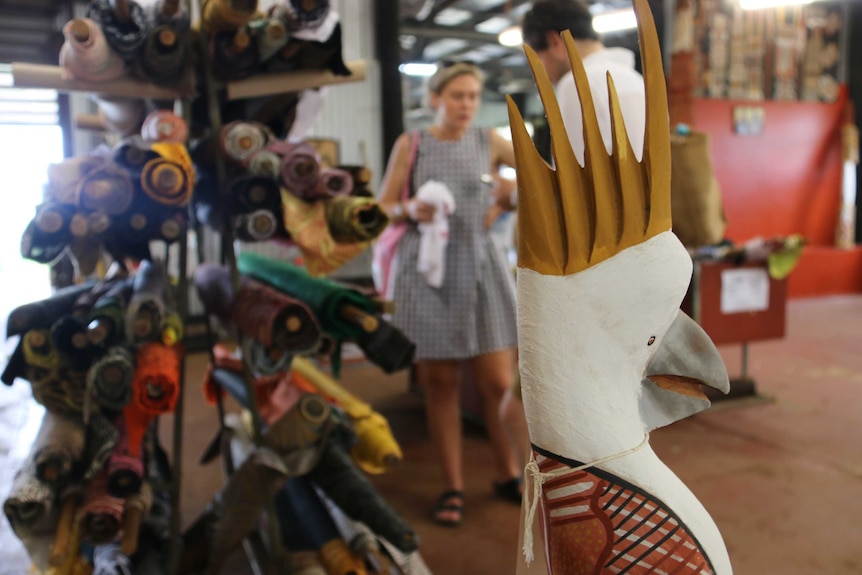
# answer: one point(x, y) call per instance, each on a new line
point(173, 329)
point(58, 448)
point(263, 360)
point(126, 38)
point(306, 223)
point(39, 350)
point(146, 307)
point(102, 436)
point(16, 366)
point(86, 54)
point(172, 227)
point(348, 488)
point(324, 297)
point(125, 469)
point(334, 182)
point(353, 220)
point(155, 388)
point(30, 501)
point(265, 163)
point(132, 154)
point(107, 189)
point(253, 193)
point(256, 226)
point(300, 170)
point(233, 55)
point(60, 390)
point(121, 115)
point(47, 235)
point(164, 55)
point(239, 141)
point(42, 314)
point(63, 178)
point(388, 348)
point(105, 318)
point(271, 36)
point(315, 50)
point(340, 559)
point(110, 378)
point(169, 179)
point(69, 336)
point(165, 126)
point(227, 14)
point(101, 514)
point(303, 520)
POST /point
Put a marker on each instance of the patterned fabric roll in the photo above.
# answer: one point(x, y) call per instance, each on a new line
point(300, 170)
point(265, 163)
point(164, 126)
point(155, 388)
point(126, 38)
point(47, 235)
point(164, 56)
point(101, 514)
point(60, 390)
point(271, 36)
point(256, 226)
point(353, 220)
point(110, 378)
point(125, 470)
point(334, 182)
point(102, 436)
point(227, 14)
point(39, 350)
point(239, 141)
point(107, 189)
point(42, 314)
point(146, 307)
point(305, 15)
point(58, 447)
point(234, 55)
point(167, 182)
point(30, 500)
point(86, 54)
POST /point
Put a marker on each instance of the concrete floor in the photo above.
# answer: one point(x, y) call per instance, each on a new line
point(780, 473)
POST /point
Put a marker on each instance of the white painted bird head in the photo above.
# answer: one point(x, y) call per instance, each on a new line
point(601, 275)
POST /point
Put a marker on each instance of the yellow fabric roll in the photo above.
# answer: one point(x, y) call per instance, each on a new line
point(340, 560)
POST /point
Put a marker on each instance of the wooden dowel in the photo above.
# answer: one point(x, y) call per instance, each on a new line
point(359, 318)
point(90, 122)
point(79, 29)
point(270, 84)
point(131, 528)
point(42, 76)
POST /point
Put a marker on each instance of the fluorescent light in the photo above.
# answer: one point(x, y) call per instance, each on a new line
point(417, 69)
point(511, 36)
point(761, 4)
point(493, 25)
point(615, 21)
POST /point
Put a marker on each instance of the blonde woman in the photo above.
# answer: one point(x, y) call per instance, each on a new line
point(471, 315)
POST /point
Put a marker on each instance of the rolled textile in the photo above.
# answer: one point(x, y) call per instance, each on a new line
point(315, 52)
point(107, 189)
point(86, 55)
point(42, 314)
point(125, 469)
point(85, 248)
point(47, 235)
point(256, 226)
point(16, 366)
point(132, 154)
point(58, 448)
point(254, 193)
point(300, 170)
point(306, 223)
point(102, 436)
point(308, 15)
point(265, 163)
point(125, 37)
point(352, 220)
point(172, 227)
point(265, 360)
point(227, 14)
point(134, 230)
point(59, 390)
point(105, 318)
point(155, 388)
point(258, 311)
point(110, 378)
point(333, 182)
point(164, 126)
point(239, 141)
point(30, 501)
point(69, 336)
point(39, 350)
point(121, 115)
point(271, 36)
point(303, 520)
point(165, 54)
point(375, 450)
point(173, 329)
point(388, 348)
point(233, 55)
point(101, 514)
point(289, 448)
point(348, 488)
point(326, 299)
point(63, 178)
point(146, 307)
point(169, 179)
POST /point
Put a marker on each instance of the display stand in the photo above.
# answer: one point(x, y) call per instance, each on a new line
point(737, 304)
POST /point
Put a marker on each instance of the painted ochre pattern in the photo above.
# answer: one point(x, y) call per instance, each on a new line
point(597, 523)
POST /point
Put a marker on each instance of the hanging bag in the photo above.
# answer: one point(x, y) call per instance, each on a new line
point(386, 247)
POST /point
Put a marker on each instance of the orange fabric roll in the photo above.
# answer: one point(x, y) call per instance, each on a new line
point(155, 387)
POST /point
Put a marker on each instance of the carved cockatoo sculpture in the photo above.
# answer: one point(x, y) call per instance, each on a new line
point(605, 354)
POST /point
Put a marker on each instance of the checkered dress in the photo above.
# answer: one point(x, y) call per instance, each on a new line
point(473, 312)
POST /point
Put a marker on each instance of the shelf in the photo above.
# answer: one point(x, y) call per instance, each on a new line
point(41, 76)
point(294, 81)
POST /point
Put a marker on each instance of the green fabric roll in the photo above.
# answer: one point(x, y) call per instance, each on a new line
point(324, 297)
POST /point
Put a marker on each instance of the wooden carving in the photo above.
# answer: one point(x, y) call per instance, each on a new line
point(605, 354)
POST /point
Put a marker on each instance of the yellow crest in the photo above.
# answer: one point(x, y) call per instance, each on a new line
point(571, 218)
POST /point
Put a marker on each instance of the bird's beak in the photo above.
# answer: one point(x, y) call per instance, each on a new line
point(686, 360)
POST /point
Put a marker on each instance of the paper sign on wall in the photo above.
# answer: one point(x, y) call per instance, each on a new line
point(744, 290)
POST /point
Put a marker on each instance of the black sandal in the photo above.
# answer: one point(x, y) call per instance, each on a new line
point(509, 490)
point(445, 505)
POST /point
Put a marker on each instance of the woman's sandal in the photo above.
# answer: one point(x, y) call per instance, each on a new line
point(509, 490)
point(450, 503)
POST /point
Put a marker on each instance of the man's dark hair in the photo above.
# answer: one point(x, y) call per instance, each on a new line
point(555, 16)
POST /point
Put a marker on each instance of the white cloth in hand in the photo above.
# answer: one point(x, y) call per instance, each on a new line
point(434, 234)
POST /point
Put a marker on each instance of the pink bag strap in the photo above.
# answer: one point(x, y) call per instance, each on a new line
point(414, 149)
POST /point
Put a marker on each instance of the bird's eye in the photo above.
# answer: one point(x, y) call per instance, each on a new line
point(651, 340)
